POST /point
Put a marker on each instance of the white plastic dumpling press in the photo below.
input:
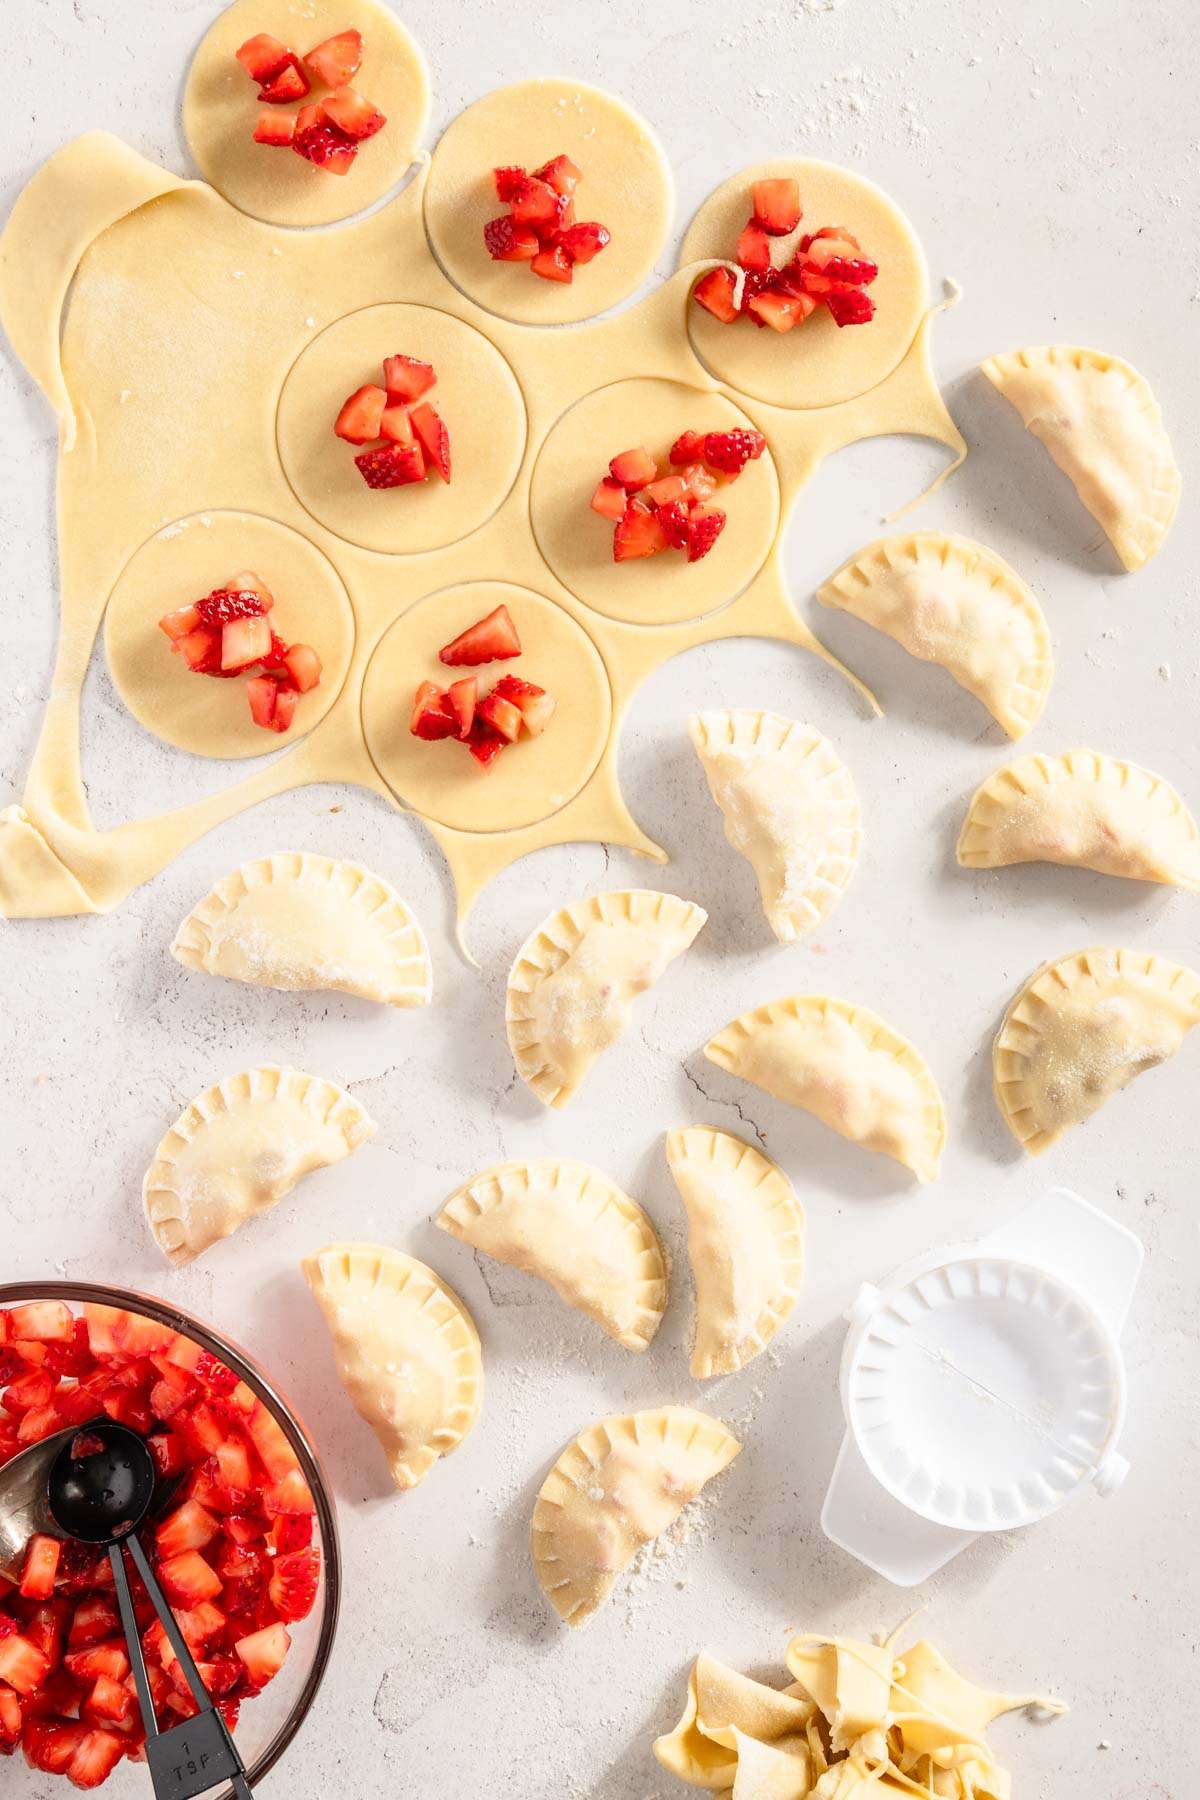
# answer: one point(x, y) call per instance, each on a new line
point(983, 1386)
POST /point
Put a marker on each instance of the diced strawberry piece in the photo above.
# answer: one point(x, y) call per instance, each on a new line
point(780, 311)
point(201, 650)
point(435, 438)
point(108, 1701)
point(561, 174)
point(665, 489)
point(337, 60)
point(50, 1744)
point(360, 419)
point(289, 84)
point(392, 465)
point(179, 623)
point(460, 699)
point(39, 1422)
point(95, 1621)
point(831, 241)
point(396, 424)
point(777, 206)
point(296, 1534)
point(187, 1579)
point(730, 451)
point(40, 1567)
point(199, 1625)
point(22, 1664)
point(673, 517)
point(263, 56)
point(244, 642)
point(704, 528)
point(233, 1465)
point(553, 264)
point(687, 448)
point(485, 744)
point(102, 1659)
point(714, 292)
point(501, 715)
point(493, 639)
point(512, 687)
point(271, 1442)
point(220, 607)
point(324, 145)
point(855, 271)
point(537, 710)
point(43, 1321)
point(11, 1720)
point(28, 1393)
point(95, 1759)
point(634, 469)
point(430, 720)
point(753, 248)
point(293, 1588)
point(584, 241)
point(536, 203)
point(358, 117)
point(407, 379)
point(754, 282)
point(609, 499)
point(304, 667)
point(637, 533)
point(851, 307)
point(701, 484)
point(275, 128)
point(509, 181)
point(262, 693)
point(190, 1527)
point(264, 1653)
point(508, 242)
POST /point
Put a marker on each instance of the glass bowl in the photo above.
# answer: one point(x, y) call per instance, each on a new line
point(269, 1722)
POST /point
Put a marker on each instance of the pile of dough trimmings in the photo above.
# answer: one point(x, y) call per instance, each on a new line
point(859, 1721)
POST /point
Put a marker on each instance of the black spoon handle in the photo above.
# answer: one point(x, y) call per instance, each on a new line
point(133, 1639)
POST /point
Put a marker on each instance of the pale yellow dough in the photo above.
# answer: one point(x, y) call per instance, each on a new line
point(574, 1228)
point(187, 559)
point(626, 186)
point(221, 104)
point(1080, 1030)
point(818, 363)
point(407, 1352)
point(578, 543)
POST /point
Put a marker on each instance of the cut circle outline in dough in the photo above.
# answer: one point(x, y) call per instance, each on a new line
point(577, 544)
point(626, 185)
point(276, 186)
point(818, 363)
point(477, 395)
point(179, 565)
point(532, 779)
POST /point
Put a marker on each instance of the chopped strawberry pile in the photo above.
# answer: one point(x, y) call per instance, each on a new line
point(325, 132)
point(485, 723)
point(228, 633)
point(657, 507)
point(234, 1553)
point(409, 436)
point(822, 268)
point(540, 227)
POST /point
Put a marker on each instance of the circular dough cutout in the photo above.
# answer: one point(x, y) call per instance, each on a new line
point(180, 564)
point(578, 543)
point(221, 104)
point(818, 363)
point(626, 185)
point(530, 779)
point(476, 394)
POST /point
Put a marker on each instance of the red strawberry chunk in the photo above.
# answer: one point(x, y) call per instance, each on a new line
point(553, 264)
point(509, 181)
point(856, 271)
point(730, 451)
point(395, 424)
point(459, 702)
point(501, 716)
point(360, 420)
point(512, 687)
point(673, 518)
point(493, 639)
point(536, 712)
point(275, 128)
point(263, 57)
point(638, 533)
point(609, 499)
point(777, 206)
point(406, 379)
point(687, 448)
point(754, 248)
point(508, 242)
point(665, 489)
point(782, 312)
point(201, 650)
point(435, 438)
point(190, 1527)
point(103, 1659)
point(358, 117)
point(337, 60)
point(484, 744)
point(187, 1579)
point(288, 84)
point(293, 1588)
point(429, 719)
point(704, 528)
point(561, 174)
point(264, 1653)
point(634, 469)
point(324, 145)
point(96, 1758)
point(580, 243)
point(304, 666)
point(50, 1744)
point(271, 705)
point(220, 608)
point(714, 292)
point(392, 465)
point(22, 1665)
point(40, 1567)
point(11, 1720)
point(536, 203)
point(108, 1702)
point(851, 307)
point(41, 1321)
point(179, 623)
point(701, 484)
point(244, 642)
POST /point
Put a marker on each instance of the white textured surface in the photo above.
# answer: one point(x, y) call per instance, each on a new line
point(1048, 157)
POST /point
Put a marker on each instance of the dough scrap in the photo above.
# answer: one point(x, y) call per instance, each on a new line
point(790, 808)
point(1084, 810)
point(572, 986)
point(952, 601)
point(745, 1242)
point(574, 1228)
point(239, 1148)
point(622, 1482)
point(847, 1067)
point(862, 1720)
point(299, 921)
point(1080, 1030)
point(407, 1351)
point(1104, 428)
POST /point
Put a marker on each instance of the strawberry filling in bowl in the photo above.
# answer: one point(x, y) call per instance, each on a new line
point(243, 1539)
